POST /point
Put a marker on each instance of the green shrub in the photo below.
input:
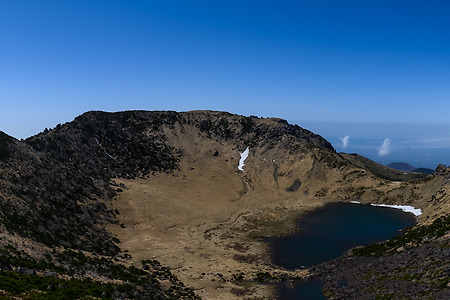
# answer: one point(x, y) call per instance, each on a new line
point(411, 237)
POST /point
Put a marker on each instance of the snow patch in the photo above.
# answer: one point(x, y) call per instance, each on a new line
point(405, 208)
point(244, 156)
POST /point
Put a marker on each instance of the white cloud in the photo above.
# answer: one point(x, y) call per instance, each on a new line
point(345, 140)
point(385, 148)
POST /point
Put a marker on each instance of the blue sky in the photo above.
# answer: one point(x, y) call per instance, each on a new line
point(372, 70)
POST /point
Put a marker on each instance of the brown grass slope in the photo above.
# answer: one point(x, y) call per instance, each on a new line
point(167, 185)
point(380, 170)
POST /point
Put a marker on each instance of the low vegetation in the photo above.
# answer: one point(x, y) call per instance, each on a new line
point(412, 237)
point(5, 140)
point(57, 193)
point(72, 274)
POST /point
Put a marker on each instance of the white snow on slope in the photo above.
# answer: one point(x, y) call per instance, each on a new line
point(244, 156)
point(405, 208)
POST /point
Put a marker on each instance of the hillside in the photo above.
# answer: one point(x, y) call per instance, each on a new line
point(423, 171)
point(404, 167)
point(145, 204)
point(387, 172)
point(401, 166)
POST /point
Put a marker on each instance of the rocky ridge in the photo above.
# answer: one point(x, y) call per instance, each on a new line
point(68, 201)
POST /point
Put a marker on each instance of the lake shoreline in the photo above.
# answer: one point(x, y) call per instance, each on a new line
point(334, 220)
point(392, 275)
point(211, 247)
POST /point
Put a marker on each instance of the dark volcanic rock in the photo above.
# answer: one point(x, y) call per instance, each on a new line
point(55, 184)
point(417, 273)
point(5, 141)
point(55, 188)
point(294, 186)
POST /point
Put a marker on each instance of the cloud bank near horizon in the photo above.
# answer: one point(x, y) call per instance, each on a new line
point(442, 142)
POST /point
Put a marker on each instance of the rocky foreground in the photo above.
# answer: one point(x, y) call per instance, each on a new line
point(414, 265)
point(154, 205)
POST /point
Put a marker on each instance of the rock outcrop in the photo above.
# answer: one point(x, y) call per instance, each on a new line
point(109, 196)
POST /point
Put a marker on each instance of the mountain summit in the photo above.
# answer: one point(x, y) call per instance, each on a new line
point(141, 204)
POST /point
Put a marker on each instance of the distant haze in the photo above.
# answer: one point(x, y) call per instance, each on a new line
point(421, 145)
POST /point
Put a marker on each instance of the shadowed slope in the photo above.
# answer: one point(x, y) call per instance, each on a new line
point(167, 185)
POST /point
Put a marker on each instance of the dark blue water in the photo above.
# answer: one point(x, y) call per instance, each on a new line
point(327, 233)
